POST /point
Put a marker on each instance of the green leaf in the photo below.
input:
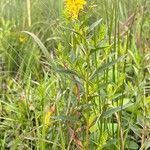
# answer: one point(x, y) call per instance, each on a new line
point(53, 38)
point(94, 25)
point(100, 48)
point(147, 144)
point(72, 30)
point(108, 113)
point(65, 118)
point(67, 71)
point(132, 145)
point(106, 66)
point(136, 129)
point(40, 44)
point(71, 73)
point(133, 56)
point(43, 49)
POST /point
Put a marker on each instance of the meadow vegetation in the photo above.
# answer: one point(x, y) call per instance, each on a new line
point(74, 76)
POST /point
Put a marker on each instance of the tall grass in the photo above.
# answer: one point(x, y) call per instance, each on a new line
point(81, 84)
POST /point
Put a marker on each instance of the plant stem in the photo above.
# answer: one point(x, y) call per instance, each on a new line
point(87, 93)
point(29, 12)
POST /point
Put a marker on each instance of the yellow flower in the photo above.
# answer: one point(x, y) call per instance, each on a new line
point(48, 117)
point(49, 113)
point(22, 39)
point(73, 7)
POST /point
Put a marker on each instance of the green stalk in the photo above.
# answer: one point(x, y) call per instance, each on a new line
point(97, 80)
point(87, 92)
point(29, 12)
point(86, 97)
point(110, 27)
point(43, 128)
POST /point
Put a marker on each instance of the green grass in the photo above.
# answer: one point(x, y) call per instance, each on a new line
point(90, 77)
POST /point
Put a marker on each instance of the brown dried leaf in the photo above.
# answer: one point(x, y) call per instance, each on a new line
point(75, 138)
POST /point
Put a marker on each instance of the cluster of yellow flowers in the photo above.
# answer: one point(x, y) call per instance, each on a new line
point(73, 7)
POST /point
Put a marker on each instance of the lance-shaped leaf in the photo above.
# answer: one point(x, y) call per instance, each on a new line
point(94, 25)
point(100, 48)
point(105, 66)
point(108, 113)
point(73, 31)
point(40, 44)
point(43, 48)
point(67, 71)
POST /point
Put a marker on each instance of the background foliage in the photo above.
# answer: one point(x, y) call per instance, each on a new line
point(75, 84)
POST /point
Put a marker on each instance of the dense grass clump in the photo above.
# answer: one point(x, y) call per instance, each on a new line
point(75, 75)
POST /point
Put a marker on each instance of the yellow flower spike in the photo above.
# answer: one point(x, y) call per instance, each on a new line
point(47, 118)
point(48, 115)
point(73, 7)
